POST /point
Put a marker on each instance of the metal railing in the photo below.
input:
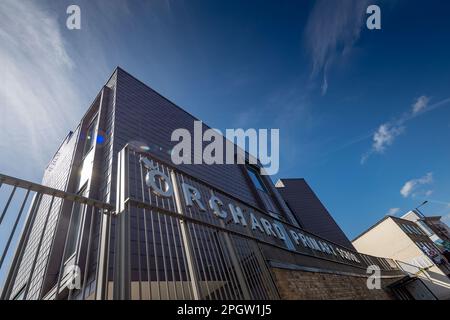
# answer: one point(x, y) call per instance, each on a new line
point(32, 262)
point(167, 237)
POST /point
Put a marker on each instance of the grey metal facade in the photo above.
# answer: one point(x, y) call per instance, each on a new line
point(220, 262)
point(310, 212)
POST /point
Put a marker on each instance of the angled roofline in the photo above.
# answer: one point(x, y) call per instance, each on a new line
point(396, 219)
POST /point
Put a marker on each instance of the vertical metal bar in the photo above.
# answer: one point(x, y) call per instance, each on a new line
point(110, 218)
point(163, 256)
point(20, 250)
point(245, 267)
point(139, 252)
point(138, 227)
point(270, 280)
point(186, 240)
point(225, 289)
point(233, 282)
point(202, 265)
point(170, 257)
point(177, 258)
point(186, 269)
point(155, 252)
point(122, 282)
point(61, 266)
point(147, 255)
point(216, 251)
point(78, 240)
point(11, 235)
point(38, 248)
point(257, 271)
point(88, 254)
point(237, 266)
point(241, 270)
point(212, 264)
point(7, 204)
point(163, 251)
point(101, 283)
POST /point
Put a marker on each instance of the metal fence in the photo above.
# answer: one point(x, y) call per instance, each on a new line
point(168, 251)
point(35, 266)
point(169, 236)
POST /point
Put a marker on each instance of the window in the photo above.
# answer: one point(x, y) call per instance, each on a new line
point(256, 178)
point(406, 228)
point(89, 141)
point(78, 210)
point(419, 231)
point(425, 228)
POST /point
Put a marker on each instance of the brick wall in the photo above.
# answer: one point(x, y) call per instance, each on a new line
point(305, 285)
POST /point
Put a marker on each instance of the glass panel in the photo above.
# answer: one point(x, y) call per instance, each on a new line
point(75, 226)
point(89, 142)
point(256, 179)
point(425, 228)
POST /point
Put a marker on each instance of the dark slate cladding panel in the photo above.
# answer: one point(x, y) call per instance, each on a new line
point(141, 114)
point(311, 213)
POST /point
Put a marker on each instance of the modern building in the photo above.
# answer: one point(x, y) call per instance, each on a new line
point(435, 229)
point(114, 218)
point(417, 254)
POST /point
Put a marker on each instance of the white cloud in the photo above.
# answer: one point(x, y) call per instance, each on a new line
point(385, 136)
point(382, 138)
point(393, 211)
point(332, 29)
point(420, 104)
point(429, 193)
point(49, 76)
point(36, 88)
point(411, 185)
point(386, 133)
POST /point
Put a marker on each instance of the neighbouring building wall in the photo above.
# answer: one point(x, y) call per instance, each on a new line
point(305, 285)
point(387, 239)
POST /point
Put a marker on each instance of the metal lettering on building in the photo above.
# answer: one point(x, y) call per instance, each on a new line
point(248, 220)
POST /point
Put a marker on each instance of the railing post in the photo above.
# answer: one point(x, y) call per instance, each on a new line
point(20, 250)
point(102, 280)
point(186, 241)
point(122, 283)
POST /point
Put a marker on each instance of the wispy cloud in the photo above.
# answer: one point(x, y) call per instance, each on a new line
point(384, 137)
point(410, 186)
point(420, 105)
point(48, 76)
point(332, 29)
point(393, 211)
point(386, 133)
point(36, 86)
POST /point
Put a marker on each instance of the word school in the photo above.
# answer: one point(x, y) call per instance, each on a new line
point(161, 185)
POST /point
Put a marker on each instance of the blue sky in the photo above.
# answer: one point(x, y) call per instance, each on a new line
point(364, 115)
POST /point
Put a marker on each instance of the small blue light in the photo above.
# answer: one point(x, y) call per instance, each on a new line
point(100, 139)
